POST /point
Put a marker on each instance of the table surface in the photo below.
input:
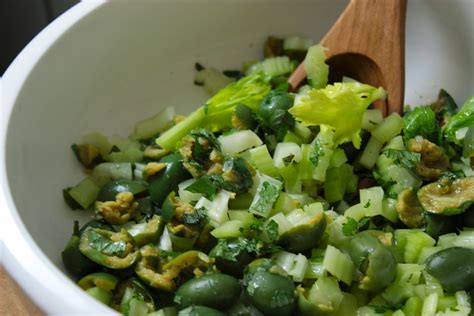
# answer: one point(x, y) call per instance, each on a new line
point(13, 300)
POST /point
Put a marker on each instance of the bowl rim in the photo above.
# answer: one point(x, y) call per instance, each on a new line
point(43, 281)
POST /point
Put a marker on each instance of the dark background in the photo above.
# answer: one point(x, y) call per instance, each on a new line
point(21, 20)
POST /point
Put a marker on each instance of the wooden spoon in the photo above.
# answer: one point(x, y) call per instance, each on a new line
point(367, 43)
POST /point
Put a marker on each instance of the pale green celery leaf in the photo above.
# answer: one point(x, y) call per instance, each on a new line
point(315, 67)
point(339, 106)
point(464, 118)
point(249, 90)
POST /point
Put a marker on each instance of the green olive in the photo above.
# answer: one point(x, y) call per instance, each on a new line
point(235, 264)
point(197, 310)
point(453, 268)
point(166, 181)
point(304, 237)
point(272, 294)
point(110, 190)
point(216, 290)
point(375, 261)
point(437, 225)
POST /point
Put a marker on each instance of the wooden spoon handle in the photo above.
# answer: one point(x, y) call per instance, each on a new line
point(374, 29)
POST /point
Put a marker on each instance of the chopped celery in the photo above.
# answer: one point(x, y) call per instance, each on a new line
point(430, 305)
point(338, 264)
point(315, 67)
point(348, 306)
point(229, 229)
point(107, 171)
point(447, 302)
point(151, 126)
point(371, 199)
point(239, 141)
point(371, 153)
point(389, 128)
point(85, 192)
point(266, 195)
point(217, 209)
point(285, 203)
point(305, 168)
point(426, 252)
point(326, 293)
point(313, 208)
point(273, 66)
point(128, 155)
point(297, 43)
point(286, 153)
point(388, 209)
point(290, 176)
point(413, 306)
point(185, 195)
point(262, 160)
point(241, 201)
point(294, 265)
point(356, 211)
point(291, 137)
point(282, 222)
point(338, 158)
point(315, 269)
point(342, 207)
point(302, 132)
point(98, 140)
point(321, 153)
point(464, 239)
point(410, 242)
point(398, 292)
point(245, 217)
point(212, 80)
point(335, 184)
point(371, 118)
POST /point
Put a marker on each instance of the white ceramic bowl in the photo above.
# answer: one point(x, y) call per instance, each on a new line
point(104, 65)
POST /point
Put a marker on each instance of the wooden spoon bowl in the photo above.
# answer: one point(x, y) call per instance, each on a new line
point(367, 43)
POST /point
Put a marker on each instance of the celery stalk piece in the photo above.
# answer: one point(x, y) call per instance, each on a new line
point(464, 239)
point(282, 222)
point(371, 153)
point(286, 153)
point(229, 229)
point(323, 149)
point(98, 140)
point(266, 195)
point(305, 168)
point(338, 264)
point(389, 128)
point(315, 269)
point(430, 305)
point(315, 66)
point(338, 158)
point(261, 159)
point(388, 209)
point(151, 126)
point(371, 119)
point(371, 199)
point(185, 195)
point(413, 306)
point(239, 141)
point(169, 138)
point(217, 112)
point(85, 192)
point(285, 203)
point(326, 293)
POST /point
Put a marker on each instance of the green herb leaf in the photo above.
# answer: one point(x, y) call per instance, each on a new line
point(230, 249)
point(350, 227)
point(271, 228)
point(317, 153)
point(403, 158)
point(266, 198)
point(106, 246)
point(420, 122)
point(195, 217)
point(367, 205)
point(204, 186)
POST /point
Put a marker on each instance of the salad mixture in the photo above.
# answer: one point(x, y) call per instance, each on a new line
point(271, 200)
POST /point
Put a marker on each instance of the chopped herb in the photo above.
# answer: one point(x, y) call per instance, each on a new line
point(195, 217)
point(106, 246)
point(229, 249)
point(317, 153)
point(166, 253)
point(267, 196)
point(403, 158)
point(367, 205)
point(204, 186)
point(352, 227)
point(271, 228)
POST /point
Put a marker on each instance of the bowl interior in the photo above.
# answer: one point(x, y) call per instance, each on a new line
point(125, 62)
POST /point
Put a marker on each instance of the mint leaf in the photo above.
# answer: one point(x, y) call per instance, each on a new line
point(403, 158)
